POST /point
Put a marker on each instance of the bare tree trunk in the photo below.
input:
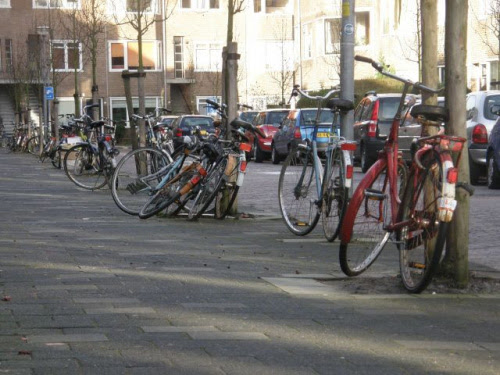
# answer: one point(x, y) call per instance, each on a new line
point(456, 263)
point(429, 49)
point(130, 108)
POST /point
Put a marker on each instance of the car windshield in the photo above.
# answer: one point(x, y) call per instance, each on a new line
point(387, 109)
point(309, 116)
point(195, 121)
point(247, 116)
point(489, 103)
point(276, 117)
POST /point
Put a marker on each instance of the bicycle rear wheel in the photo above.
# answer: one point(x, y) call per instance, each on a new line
point(229, 191)
point(422, 240)
point(364, 221)
point(83, 167)
point(136, 176)
point(33, 145)
point(335, 195)
point(297, 193)
point(208, 189)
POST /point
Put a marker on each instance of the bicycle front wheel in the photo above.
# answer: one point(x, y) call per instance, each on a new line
point(33, 145)
point(229, 191)
point(422, 240)
point(363, 234)
point(136, 177)
point(83, 167)
point(208, 189)
point(297, 193)
point(335, 196)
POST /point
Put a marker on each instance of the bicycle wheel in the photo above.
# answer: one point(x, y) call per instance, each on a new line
point(136, 177)
point(167, 195)
point(83, 167)
point(422, 241)
point(207, 190)
point(297, 193)
point(55, 158)
point(368, 210)
point(335, 196)
point(33, 145)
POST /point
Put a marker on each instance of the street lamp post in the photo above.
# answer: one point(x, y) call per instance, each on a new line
point(43, 32)
point(347, 64)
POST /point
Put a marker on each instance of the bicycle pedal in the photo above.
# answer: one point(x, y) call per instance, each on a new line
point(376, 195)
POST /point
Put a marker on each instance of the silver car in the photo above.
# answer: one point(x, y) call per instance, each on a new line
point(480, 121)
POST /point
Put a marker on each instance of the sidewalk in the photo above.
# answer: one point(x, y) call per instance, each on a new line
point(87, 289)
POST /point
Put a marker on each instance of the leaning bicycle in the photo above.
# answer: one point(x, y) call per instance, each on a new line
point(310, 189)
point(412, 209)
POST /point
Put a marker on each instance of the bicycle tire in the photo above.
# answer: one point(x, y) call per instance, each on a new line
point(364, 221)
point(297, 184)
point(167, 195)
point(208, 189)
point(83, 167)
point(421, 243)
point(335, 196)
point(33, 145)
point(55, 159)
point(135, 178)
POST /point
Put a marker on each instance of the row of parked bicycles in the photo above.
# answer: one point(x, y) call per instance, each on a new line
point(408, 205)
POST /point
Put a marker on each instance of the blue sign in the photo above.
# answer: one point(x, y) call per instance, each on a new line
point(49, 93)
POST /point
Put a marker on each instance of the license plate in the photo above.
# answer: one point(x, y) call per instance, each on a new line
point(322, 135)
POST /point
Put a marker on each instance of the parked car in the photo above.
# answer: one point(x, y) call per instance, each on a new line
point(493, 154)
point(247, 116)
point(166, 121)
point(372, 122)
point(186, 125)
point(480, 120)
point(298, 126)
point(268, 122)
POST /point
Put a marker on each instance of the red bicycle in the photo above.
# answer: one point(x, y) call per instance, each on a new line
point(411, 207)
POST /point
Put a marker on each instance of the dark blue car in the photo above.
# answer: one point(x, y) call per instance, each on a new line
point(493, 154)
point(298, 126)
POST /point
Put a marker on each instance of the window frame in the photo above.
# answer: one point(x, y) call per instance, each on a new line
point(7, 5)
point(157, 49)
point(196, 49)
point(206, 8)
point(66, 42)
point(64, 6)
point(135, 105)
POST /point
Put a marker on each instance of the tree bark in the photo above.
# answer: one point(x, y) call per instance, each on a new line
point(456, 263)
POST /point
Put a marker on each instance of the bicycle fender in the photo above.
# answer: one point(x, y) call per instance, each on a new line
point(447, 203)
point(347, 165)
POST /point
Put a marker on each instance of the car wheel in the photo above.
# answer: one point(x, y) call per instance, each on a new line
point(365, 162)
point(474, 172)
point(274, 155)
point(493, 174)
point(258, 155)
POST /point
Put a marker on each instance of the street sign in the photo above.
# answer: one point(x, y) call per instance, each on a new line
point(49, 93)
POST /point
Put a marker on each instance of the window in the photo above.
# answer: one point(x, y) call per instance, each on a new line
point(142, 5)
point(8, 54)
point(200, 4)
point(66, 55)
point(66, 4)
point(4, 3)
point(362, 33)
point(332, 35)
point(178, 57)
point(125, 55)
point(118, 108)
point(203, 108)
point(494, 75)
point(270, 6)
point(208, 57)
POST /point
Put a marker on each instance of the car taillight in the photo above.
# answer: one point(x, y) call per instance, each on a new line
point(372, 125)
point(296, 134)
point(479, 134)
point(178, 133)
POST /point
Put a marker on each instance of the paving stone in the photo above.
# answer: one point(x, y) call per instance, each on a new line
point(67, 338)
point(208, 335)
point(121, 310)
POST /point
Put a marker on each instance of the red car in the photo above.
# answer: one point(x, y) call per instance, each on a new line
point(268, 122)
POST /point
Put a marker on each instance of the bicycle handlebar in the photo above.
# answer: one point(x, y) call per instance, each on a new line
point(296, 90)
point(380, 68)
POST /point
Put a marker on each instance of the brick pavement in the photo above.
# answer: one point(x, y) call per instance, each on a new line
point(88, 289)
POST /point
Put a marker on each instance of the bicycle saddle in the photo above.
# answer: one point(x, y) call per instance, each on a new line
point(343, 105)
point(430, 112)
point(237, 123)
